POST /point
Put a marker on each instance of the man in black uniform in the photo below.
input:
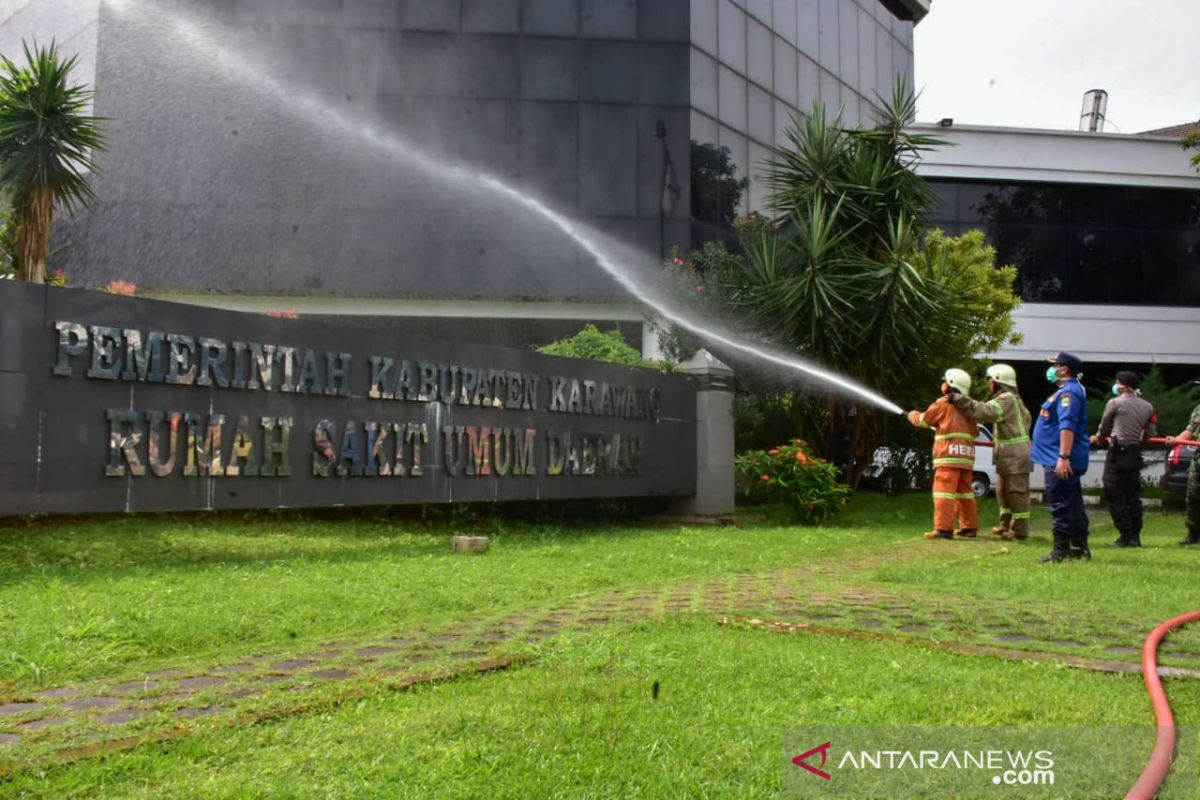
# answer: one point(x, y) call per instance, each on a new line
point(1127, 420)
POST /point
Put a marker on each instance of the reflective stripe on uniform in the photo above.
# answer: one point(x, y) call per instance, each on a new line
point(922, 422)
point(1020, 418)
point(1004, 511)
point(999, 408)
point(939, 437)
point(1015, 440)
point(954, 462)
point(953, 496)
point(1022, 515)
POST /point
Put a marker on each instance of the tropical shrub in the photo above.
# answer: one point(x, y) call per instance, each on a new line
point(596, 345)
point(791, 474)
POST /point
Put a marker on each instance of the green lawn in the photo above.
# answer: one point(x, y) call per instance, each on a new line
point(118, 597)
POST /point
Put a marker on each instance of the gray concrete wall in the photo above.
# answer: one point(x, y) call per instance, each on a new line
point(250, 151)
point(215, 183)
point(756, 63)
point(72, 24)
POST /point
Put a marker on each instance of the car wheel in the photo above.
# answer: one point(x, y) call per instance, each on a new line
point(980, 485)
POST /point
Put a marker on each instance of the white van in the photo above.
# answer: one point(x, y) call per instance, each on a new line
point(983, 479)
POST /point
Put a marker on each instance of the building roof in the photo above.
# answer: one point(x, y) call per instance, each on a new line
point(1175, 131)
point(988, 153)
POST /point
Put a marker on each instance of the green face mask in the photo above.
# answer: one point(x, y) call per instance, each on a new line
point(1116, 389)
point(1052, 374)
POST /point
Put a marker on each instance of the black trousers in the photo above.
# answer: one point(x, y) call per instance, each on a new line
point(1123, 489)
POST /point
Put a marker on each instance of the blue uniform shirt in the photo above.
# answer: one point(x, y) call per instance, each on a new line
point(1066, 409)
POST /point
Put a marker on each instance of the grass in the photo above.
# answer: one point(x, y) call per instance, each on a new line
point(84, 599)
point(583, 722)
point(99, 596)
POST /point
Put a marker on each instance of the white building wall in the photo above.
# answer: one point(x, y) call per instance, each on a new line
point(1112, 333)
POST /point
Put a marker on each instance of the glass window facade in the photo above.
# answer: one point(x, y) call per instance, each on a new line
point(1076, 243)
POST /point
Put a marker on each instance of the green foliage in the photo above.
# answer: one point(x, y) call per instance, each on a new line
point(1172, 404)
point(847, 275)
point(792, 475)
point(596, 345)
point(47, 142)
point(1192, 142)
point(966, 266)
point(695, 279)
point(716, 189)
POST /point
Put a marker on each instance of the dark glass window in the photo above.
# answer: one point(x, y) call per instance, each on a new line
point(1077, 243)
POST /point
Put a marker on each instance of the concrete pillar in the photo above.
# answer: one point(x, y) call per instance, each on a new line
point(714, 437)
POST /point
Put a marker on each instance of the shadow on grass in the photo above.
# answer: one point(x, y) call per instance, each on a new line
point(91, 547)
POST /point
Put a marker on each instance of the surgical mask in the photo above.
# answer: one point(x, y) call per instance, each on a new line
point(1052, 374)
point(1116, 389)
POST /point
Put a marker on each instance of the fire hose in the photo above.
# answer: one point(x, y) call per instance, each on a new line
point(1165, 441)
point(1155, 773)
point(1152, 777)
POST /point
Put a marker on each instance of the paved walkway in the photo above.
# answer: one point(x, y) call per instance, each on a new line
point(75, 721)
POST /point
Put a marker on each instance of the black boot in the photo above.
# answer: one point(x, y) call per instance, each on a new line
point(1193, 537)
point(1079, 546)
point(1061, 550)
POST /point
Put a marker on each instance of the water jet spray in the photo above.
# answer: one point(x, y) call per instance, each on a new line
point(308, 109)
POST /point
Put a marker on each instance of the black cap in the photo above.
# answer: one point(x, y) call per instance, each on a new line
point(1130, 379)
point(1071, 362)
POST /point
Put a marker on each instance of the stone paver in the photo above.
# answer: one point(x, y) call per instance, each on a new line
point(9, 739)
point(194, 713)
point(120, 717)
point(44, 722)
point(372, 652)
point(133, 687)
point(88, 703)
point(202, 682)
point(12, 709)
point(331, 674)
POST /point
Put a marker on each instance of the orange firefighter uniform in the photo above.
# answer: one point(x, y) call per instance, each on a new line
point(953, 464)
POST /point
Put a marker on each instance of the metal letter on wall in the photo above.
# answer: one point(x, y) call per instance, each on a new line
point(180, 403)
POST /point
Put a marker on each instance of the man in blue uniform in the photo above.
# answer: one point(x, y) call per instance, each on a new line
point(1060, 446)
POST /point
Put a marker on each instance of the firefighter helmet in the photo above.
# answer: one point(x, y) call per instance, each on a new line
point(1003, 374)
point(958, 380)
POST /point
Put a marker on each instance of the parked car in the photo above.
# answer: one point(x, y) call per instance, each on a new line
point(1175, 470)
point(889, 473)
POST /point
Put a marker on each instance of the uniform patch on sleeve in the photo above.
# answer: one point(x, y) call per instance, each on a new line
point(1045, 413)
point(1066, 401)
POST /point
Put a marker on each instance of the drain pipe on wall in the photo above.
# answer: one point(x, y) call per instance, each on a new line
point(1155, 773)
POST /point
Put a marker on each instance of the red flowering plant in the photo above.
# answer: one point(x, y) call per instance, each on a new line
point(126, 288)
point(56, 278)
point(791, 474)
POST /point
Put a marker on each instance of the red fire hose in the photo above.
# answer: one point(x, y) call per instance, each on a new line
point(1164, 742)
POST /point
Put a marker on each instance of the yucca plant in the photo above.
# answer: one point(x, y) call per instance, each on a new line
point(47, 142)
point(835, 279)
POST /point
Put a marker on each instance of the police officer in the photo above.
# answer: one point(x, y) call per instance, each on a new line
point(1126, 421)
point(1060, 446)
point(1190, 434)
point(1010, 420)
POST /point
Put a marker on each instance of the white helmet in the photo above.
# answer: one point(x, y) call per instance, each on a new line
point(1003, 374)
point(958, 379)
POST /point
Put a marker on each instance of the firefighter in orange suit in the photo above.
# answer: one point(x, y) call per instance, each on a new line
point(953, 460)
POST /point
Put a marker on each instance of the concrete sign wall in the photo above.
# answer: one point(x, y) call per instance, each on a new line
point(112, 403)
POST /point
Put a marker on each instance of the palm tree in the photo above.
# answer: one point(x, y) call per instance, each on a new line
point(836, 279)
point(46, 146)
